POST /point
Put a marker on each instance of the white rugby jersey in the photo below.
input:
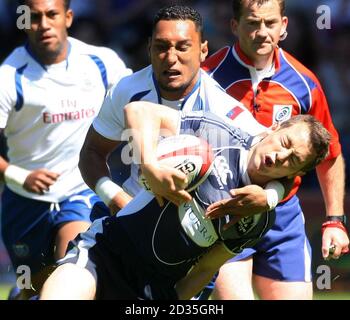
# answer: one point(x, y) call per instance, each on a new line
point(207, 95)
point(46, 110)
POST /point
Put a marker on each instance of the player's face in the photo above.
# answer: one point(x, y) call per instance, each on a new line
point(259, 29)
point(48, 33)
point(176, 54)
point(283, 153)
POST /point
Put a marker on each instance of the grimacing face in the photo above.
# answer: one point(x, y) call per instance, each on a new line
point(48, 32)
point(176, 53)
point(282, 153)
point(259, 28)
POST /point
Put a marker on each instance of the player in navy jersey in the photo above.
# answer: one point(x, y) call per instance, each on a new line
point(51, 89)
point(274, 86)
point(147, 251)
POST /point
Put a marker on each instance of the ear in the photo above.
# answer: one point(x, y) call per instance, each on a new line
point(204, 50)
point(69, 18)
point(284, 27)
point(234, 26)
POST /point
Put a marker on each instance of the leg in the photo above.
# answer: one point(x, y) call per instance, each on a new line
point(282, 265)
point(269, 289)
point(234, 281)
point(69, 282)
point(67, 232)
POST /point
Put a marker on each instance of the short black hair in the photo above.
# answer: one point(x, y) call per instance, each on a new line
point(177, 12)
point(237, 6)
point(66, 3)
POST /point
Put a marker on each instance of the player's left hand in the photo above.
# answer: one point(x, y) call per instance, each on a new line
point(245, 201)
point(338, 240)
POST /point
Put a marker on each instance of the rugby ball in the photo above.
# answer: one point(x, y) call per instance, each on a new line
point(189, 154)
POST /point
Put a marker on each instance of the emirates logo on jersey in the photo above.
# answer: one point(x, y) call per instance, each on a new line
point(68, 116)
point(281, 113)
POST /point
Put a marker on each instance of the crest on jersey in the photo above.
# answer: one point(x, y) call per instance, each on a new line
point(281, 112)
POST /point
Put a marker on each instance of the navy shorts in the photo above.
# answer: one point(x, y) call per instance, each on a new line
point(106, 251)
point(29, 226)
point(284, 253)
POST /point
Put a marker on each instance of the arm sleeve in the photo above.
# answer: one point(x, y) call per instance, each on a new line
point(7, 94)
point(110, 121)
point(116, 68)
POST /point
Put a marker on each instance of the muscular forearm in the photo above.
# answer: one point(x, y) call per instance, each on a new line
point(331, 176)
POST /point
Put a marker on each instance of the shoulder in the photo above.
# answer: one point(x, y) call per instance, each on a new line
point(299, 67)
point(14, 64)
point(134, 83)
point(107, 55)
point(15, 60)
point(215, 59)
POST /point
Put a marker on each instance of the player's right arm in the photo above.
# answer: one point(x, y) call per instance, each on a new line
point(104, 135)
point(95, 172)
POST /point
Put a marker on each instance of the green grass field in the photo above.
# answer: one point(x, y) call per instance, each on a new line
point(4, 290)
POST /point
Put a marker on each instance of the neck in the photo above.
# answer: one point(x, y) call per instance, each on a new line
point(48, 58)
point(261, 62)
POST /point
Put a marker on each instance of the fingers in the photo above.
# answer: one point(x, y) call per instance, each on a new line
point(160, 200)
point(39, 181)
point(231, 223)
point(334, 251)
point(177, 198)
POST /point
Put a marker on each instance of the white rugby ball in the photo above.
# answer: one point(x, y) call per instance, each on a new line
point(189, 154)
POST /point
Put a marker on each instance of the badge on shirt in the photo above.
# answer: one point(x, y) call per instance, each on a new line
point(281, 112)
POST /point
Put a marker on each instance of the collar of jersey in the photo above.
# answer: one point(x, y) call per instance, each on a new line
point(46, 67)
point(245, 61)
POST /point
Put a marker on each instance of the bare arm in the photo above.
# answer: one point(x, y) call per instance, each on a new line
point(93, 164)
point(201, 273)
point(147, 121)
point(331, 176)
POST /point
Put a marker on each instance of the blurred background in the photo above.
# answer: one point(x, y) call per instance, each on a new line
point(125, 25)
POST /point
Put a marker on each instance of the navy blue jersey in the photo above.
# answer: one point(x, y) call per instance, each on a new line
point(171, 239)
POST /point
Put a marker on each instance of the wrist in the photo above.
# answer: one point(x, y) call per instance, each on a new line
point(106, 189)
point(274, 193)
point(333, 224)
point(16, 175)
point(342, 218)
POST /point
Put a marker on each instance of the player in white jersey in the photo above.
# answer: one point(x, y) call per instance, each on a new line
point(173, 79)
point(51, 89)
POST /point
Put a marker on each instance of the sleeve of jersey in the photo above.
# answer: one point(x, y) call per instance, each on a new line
point(320, 111)
point(7, 94)
point(116, 68)
point(110, 121)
